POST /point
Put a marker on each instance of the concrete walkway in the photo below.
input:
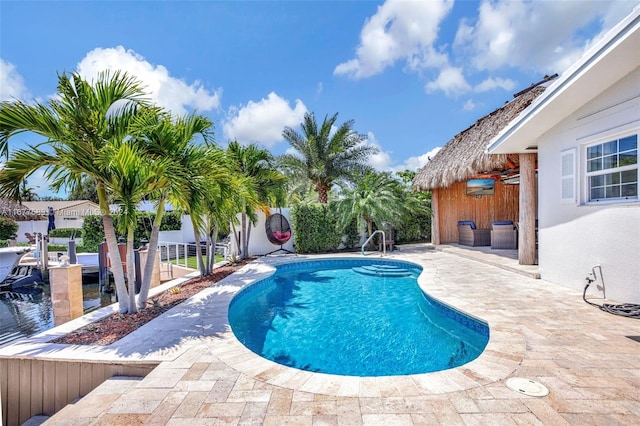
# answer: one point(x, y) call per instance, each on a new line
point(588, 359)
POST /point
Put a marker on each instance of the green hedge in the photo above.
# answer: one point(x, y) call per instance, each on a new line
point(314, 227)
point(8, 228)
point(66, 233)
point(93, 231)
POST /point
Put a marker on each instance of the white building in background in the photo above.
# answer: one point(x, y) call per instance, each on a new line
point(585, 128)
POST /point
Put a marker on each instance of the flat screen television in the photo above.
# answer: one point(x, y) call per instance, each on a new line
point(480, 186)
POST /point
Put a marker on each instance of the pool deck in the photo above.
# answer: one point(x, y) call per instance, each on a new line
point(539, 331)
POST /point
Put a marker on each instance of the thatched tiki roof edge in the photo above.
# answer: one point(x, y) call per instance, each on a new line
point(464, 155)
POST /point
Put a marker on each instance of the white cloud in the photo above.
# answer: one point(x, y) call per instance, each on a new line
point(169, 92)
point(415, 163)
point(535, 35)
point(400, 30)
point(451, 81)
point(381, 160)
point(469, 105)
point(263, 121)
point(495, 83)
point(11, 83)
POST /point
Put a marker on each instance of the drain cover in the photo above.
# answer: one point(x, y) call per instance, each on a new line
point(527, 386)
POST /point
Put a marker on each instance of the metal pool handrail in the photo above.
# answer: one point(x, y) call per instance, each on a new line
point(384, 242)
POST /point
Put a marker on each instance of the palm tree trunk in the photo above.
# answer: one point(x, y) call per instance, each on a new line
point(114, 253)
point(152, 252)
point(214, 240)
point(322, 194)
point(131, 272)
point(196, 235)
point(243, 230)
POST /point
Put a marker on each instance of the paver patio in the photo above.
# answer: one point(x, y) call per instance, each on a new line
point(539, 331)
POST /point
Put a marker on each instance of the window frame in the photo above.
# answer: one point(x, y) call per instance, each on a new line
point(605, 171)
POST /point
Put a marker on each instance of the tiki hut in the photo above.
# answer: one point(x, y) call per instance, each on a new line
point(463, 159)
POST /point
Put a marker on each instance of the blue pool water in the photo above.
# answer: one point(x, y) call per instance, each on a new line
point(345, 316)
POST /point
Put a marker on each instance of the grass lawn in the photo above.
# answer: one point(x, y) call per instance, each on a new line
point(192, 261)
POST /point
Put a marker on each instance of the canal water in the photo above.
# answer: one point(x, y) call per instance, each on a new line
point(26, 312)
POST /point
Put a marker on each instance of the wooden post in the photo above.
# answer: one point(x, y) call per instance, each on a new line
point(527, 214)
point(435, 218)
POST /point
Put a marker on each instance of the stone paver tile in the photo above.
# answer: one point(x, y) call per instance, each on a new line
point(424, 419)
point(544, 412)
point(501, 406)
point(125, 405)
point(217, 409)
point(120, 419)
point(313, 408)
point(249, 395)
point(191, 404)
point(387, 419)
point(288, 421)
point(148, 393)
point(464, 404)
point(255, 409)
point(196, 371)
point(195, 385)
point(445, 412)
point(280, 402)
point(219, 391)
point(325, 420)
point(204, 422)
point(164, 411)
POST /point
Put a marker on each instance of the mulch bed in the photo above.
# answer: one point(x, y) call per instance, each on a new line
point(116, 326)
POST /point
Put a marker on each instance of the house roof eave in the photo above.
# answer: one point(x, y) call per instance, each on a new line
point(607, 62)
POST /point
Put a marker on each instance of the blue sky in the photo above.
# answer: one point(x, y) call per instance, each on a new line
point(412, 74)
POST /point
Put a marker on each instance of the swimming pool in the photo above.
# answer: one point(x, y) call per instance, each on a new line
point(353, 317)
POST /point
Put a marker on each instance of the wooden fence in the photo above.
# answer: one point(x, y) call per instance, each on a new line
point(30, 387)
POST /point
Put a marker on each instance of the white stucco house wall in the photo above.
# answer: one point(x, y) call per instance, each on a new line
point(585, 129)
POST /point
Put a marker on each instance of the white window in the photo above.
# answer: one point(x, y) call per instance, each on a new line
point(612, 170)
point(569, 176)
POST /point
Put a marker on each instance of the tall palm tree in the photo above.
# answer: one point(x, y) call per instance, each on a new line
point(326, 155)
point(133, 176)
point(256, 166)
point(187, 165)
point(376, 198)
point(78, 124)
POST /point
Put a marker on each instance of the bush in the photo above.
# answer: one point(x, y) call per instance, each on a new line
point(93, 231)
point(8, 228)
point(314, 227)
point(65, 233)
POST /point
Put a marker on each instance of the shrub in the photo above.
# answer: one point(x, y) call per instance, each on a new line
point(314, 227)
point(66, 233)
point(8, 228)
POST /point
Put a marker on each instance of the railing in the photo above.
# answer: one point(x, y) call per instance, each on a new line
point(384, 242)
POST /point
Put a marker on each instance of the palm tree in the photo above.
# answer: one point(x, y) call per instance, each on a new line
point(262, 179)
point(375, 199)
point(326, 156)
point(78, 124)
point(190, 170)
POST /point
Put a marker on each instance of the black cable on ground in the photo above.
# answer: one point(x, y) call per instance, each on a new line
point(628, 310)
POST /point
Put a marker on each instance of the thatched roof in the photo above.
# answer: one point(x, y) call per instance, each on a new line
point(16, 211)
point(464, 155)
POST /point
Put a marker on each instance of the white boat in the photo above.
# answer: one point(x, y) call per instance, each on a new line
point(9, 257)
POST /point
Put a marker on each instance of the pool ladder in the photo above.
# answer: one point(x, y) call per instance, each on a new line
point(384, 242)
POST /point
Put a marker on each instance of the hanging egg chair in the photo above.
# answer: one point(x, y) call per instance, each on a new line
point(278, 231)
